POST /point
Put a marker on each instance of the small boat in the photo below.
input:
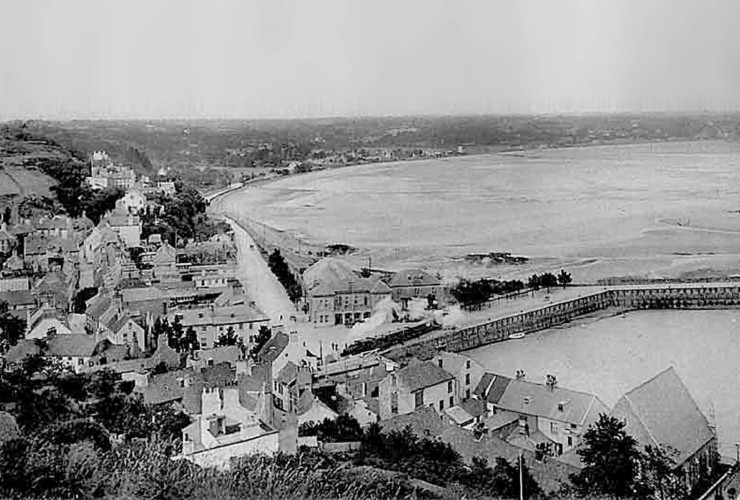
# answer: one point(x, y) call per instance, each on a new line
point(518, 335)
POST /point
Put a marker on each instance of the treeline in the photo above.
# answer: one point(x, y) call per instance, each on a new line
point(182, 216)
point(469, 293)
point(549, 280)
point(280, 269)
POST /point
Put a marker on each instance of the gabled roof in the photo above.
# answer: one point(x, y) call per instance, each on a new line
point(288, 373)
point(413, 277)
point(422, 375)
point(661, 412)
point(273, 347)
point(98, 305)
point(491, 387)
point(71, 345)
point(556, 403)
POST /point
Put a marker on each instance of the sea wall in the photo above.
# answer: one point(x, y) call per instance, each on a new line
point(618, 298)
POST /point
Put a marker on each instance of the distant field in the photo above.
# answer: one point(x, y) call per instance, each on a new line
point(20, 181)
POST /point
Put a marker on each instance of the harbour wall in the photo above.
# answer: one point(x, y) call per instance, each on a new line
point(616, 298)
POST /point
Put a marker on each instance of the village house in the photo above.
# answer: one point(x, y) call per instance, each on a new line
point(417, 385)
point(44, 322)
point(231, 355)
point(414, 284)
point(547, 414)
point(74, 350)
point(283, 348)
point(466, 371)
point(127, 225)
point(661, 413)
point(134, 201)
point(212, 276)
point(211, 322)
point(338, 296)
point(104, 174)
point(225, 429)
point(123, 329)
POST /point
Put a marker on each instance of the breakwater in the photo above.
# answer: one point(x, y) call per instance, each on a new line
point(619, 298)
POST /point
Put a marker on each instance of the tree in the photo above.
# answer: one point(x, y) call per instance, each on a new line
point(262, 337)
point(658, 476)
point(548, 280)
point(534, 282)
point(12, 328)
point(610, 458)
point(505, 479)
point(564, 278)
point(190, 340)
point(227, 338)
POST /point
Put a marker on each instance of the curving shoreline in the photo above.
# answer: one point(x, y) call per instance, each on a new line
point(304, 248)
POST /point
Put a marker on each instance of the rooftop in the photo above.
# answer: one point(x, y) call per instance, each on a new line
point(662, 412)
point(422, 375)
point(556, 403)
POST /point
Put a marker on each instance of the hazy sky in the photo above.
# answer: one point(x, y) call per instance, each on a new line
point(296, 58)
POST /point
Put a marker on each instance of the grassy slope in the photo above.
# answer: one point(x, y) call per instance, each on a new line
point(19, 155)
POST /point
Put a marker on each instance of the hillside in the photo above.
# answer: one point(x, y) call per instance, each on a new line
point(23, 158)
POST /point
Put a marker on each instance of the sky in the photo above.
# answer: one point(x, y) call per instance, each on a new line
point(62, 59)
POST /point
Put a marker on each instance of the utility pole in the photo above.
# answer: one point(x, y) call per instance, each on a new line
point(521, 478)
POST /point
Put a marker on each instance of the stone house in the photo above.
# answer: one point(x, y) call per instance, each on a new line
point(414, 284)
point(466, 371)
point(417, 385)
point(547, 414)
point(336, 295)
point(211, 322)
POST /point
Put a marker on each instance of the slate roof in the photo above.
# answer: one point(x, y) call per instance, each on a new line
point(474, 407)
point(17, 298)
point(288, 373)
point(540, 400)
point(491, 387)
point(164, 388)
point(330, 276)
point(241, 313)
point(225, 354)
point(72, 344)
point(273, 347)
point(422, 375)
point(424, 421)
point(661, 412)
point(459, 415)
point(413, 277)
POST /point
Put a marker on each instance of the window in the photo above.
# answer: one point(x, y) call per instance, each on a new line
point(449, 386)
point(394, 403)
point(364, 389)
point(452, 401)
point(467, 379)
point(467, 364)
point(553, 428)
point(573, 426)
point(251, 326)
point(441, 405)
point(467, 394)
point(203, 328)
point(419, 399)
point(570, 441)
point(440, 362)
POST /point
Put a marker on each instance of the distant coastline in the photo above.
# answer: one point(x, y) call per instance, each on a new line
point(289, 242)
